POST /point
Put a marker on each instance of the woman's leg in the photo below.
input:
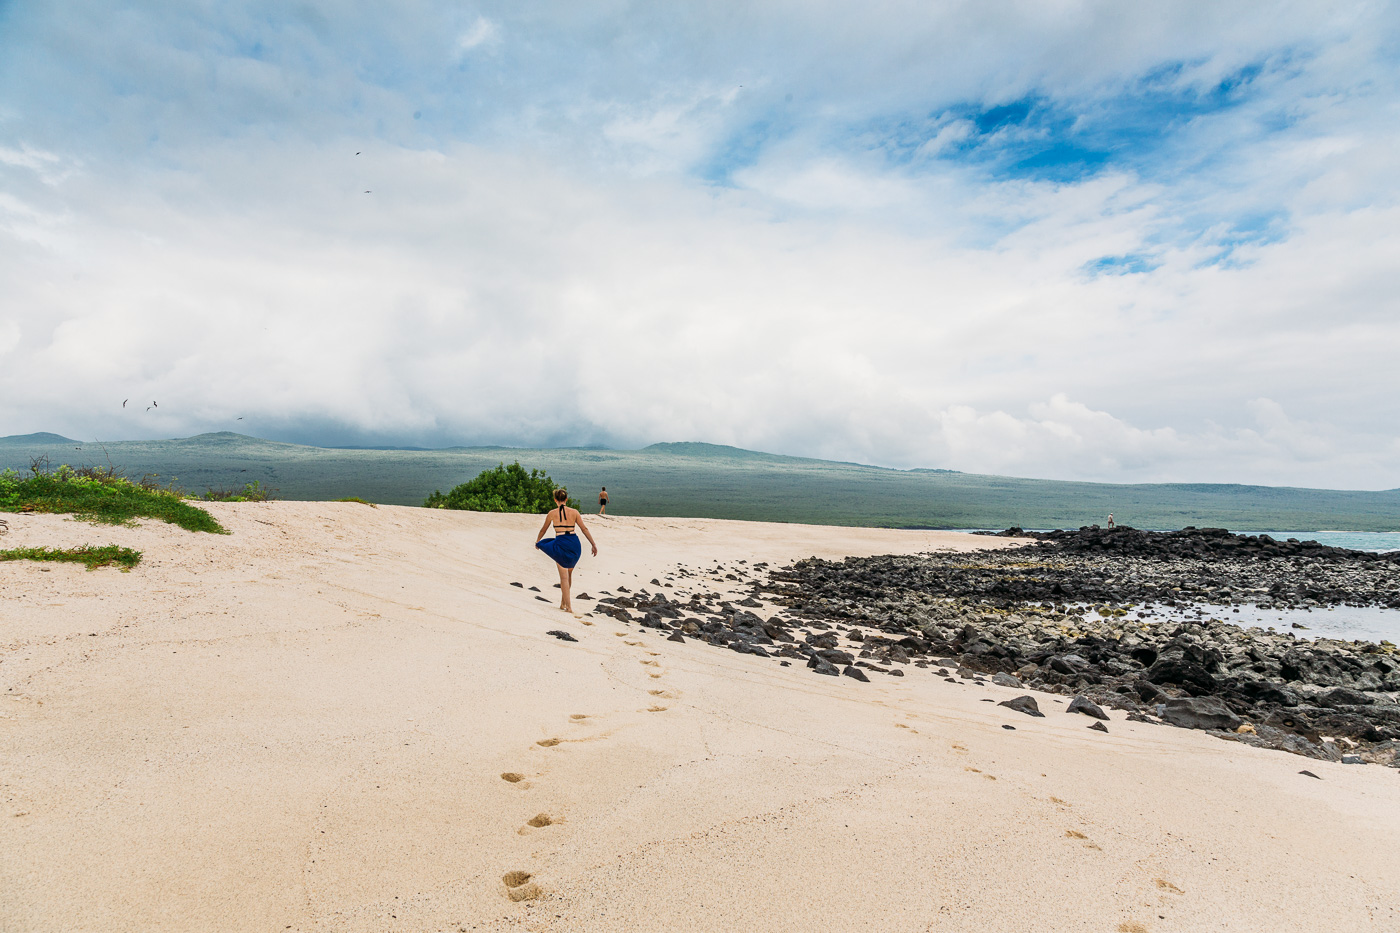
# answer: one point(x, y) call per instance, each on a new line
point(563, 587)
point(567, 587)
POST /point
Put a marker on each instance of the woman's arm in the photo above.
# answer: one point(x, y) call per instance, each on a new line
point(543, 528)
point(587, 534)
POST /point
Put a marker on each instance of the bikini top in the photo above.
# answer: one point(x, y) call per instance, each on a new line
point(563, 527)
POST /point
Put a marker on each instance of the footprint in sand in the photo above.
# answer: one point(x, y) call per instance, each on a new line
point(1071, 834)
point(538, 821)
point(519, 887)
point(512, 777)
point(651, 663)
point(1132, 926)
point(665, 694)
point(634, 644)
point(548, 743)
point(578, 717)
point(657, 709)
point(1060, 803)
point(1166, 885)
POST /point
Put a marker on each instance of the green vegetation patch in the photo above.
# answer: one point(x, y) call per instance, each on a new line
point(91, 557)
point(249, 492)
point(504, 489)
point(103, 496)
point(357, 499)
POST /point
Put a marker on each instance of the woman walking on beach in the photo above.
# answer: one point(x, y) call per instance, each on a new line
point(564, 547)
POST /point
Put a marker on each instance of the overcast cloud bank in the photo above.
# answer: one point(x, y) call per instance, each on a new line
point(1075, 241)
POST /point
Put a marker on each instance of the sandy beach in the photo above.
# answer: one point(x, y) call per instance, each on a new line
point(304, 725)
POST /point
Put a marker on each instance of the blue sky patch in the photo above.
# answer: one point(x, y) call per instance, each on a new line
point(1128, 264)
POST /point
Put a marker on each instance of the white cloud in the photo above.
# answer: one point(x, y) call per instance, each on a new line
point(546, 256)
point(482, 32)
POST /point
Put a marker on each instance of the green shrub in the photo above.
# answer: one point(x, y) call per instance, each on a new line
point(251, 492)
point(100, 495)
point(92, 557)
point(504, 489)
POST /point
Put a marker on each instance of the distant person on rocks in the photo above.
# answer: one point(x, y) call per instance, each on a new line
point(564, 548)
point(1110, 519)
point(603, 501)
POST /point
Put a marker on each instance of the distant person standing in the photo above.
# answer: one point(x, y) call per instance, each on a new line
point(603, 501)
point(1110, 519)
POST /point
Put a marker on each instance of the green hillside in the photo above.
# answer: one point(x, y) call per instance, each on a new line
point(705, 480)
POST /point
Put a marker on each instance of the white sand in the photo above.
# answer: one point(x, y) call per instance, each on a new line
point(303, 726)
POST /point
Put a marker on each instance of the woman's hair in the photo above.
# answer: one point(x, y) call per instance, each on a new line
point(561, 494)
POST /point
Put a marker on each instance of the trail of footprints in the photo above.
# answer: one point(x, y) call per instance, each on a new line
point(519, 884)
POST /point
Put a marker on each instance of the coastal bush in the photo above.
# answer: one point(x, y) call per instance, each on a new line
point(92, 557)
point(250, 492)
point(504, 489)
point(100, 495)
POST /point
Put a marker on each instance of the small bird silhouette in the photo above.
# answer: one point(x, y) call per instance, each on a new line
point(124, 401)
point(369, 192)
point(357, 153)
point(240, 418)
point(148, 408)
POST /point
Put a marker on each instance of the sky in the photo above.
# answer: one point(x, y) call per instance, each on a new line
point(1074, 240)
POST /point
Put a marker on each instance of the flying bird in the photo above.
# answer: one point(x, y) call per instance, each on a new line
point(154, 405)
point(239, 418)
point(124, 401)
point(369, 192)
point(148, 408)
point(357, 153)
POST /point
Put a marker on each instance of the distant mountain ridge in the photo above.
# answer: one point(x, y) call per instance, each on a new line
point(695, 479)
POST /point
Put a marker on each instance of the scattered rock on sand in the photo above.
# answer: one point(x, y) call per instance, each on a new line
point(561, 635)
point(1099, 727)
point(1003, 679)
point(1024, 704)
point(855, 673)
point(1082, 704)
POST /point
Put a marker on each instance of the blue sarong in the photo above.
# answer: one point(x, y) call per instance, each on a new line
point(565, 549)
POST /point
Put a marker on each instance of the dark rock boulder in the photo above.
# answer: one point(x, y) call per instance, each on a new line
point(837, 656)
point(1200, 713)
point(856, 673)
point(1024, 704)
point(1088, 707)
point(1177, 670)
point(1344, 696)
